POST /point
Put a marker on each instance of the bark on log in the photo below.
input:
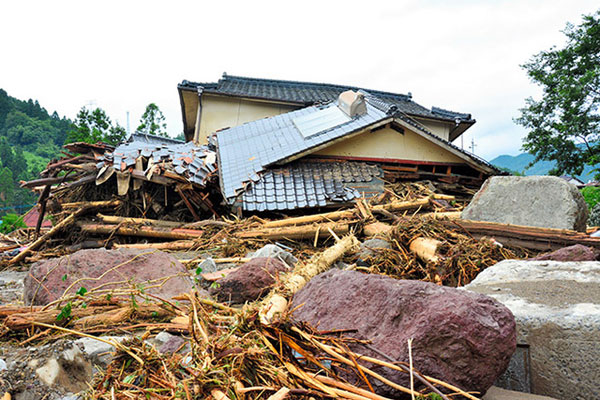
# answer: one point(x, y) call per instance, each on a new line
point(296, 232)
point(142, 231)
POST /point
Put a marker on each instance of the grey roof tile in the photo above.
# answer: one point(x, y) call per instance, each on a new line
point(307, 185)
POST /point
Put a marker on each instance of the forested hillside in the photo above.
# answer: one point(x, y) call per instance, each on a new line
point(29, 138)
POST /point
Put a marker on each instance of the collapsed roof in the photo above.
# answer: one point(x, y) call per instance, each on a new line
point(250, 154)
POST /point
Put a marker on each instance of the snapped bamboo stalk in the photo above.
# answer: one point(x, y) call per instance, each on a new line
point(142, 231)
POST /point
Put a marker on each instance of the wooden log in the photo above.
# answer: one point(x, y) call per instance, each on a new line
point(296, 232)
point(92, 204)
point(142, 231)
point(529, 237)
point(403, 205)
point(376, 228)
point(425, 249)
point(309, 219)
point(176, 245)
point(445, 214)
point(20, 321)
point(111, 219)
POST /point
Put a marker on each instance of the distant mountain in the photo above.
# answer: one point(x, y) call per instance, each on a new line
point(520, 162)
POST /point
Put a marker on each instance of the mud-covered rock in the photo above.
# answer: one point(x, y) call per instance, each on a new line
point(249, 282)
point(460, 337)
point(156, 272)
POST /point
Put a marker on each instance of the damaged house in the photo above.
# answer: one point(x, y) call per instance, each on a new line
point(285, 145)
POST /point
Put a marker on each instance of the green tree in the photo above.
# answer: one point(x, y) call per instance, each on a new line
point(93, 127)
point(564, 125)
point(153, 122)
point(7, 187)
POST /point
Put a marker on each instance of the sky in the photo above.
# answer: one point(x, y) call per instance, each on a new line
point(121, 55)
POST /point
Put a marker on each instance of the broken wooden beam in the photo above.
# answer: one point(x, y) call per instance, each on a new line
point(92, 204)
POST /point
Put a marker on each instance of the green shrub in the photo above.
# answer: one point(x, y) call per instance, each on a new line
point(591, 194)
point(11, 222)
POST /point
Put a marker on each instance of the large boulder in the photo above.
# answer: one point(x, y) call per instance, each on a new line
point(577, 252)
point(249, 282)
point(460, 337)
point(156, 272)
point(542, 201)
point(557, 310)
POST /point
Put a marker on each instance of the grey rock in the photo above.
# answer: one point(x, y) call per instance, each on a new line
point(172, 345)
point(369, 247)
point(274, 251)
point(97, 351)
point(3, 365)
point(557, 310)
point(496, 393)
point(70, 371)
point(542, 201)
point(11, 286)
point(208, 265)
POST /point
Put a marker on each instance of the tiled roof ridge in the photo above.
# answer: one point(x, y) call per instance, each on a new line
point(291, 83)
point(449, 113)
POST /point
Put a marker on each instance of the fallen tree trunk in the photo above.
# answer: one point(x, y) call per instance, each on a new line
point(528, 237)
point(296, 232)
point(402, 205)
point(142, 231)
point(110, 219)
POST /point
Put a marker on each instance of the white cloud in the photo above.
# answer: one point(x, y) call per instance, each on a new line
point(461, 55)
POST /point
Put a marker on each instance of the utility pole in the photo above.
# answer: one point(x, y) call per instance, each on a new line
point(473, 145)
point(128, 133)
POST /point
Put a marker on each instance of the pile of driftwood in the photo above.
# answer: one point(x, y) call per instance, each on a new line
point(251, 352)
